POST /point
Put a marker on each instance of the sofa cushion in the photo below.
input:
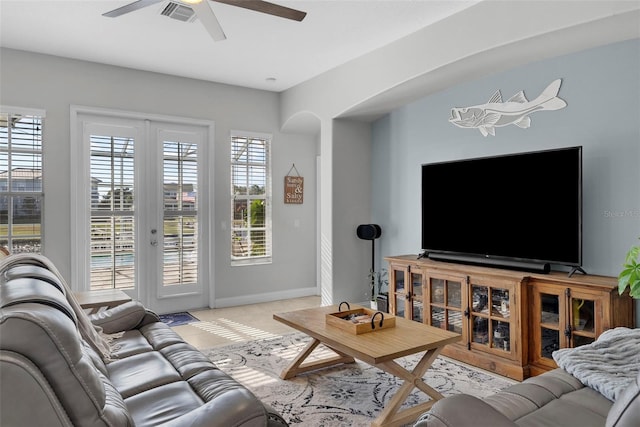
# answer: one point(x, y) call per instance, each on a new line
point(187, 360)
point(162, 404)
point(29, 290)
point(590, 399)
point(562, 413)
point(160, 335)
point(181, 403)
point(447, 413)
point(519, 400)
point(558, 382)
point(128, 344)
point(141, 372)
point(34, 272)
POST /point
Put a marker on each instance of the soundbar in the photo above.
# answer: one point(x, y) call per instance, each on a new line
point(532, 267)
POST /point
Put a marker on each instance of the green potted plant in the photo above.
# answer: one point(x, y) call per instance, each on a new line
point(630, 274)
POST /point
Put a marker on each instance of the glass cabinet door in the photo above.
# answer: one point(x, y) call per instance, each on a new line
point(491, 317)
point(480, 323)
point(550, 329)
point(417, 307)
point(406, 292)
point(582, 320)
point(454, 306)
point(445, 303)
point(561, 318)
point(397, 292)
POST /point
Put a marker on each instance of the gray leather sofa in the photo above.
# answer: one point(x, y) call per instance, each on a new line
point(553, 399)
point(52, 374)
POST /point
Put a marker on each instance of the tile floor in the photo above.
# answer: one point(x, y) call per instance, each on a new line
point(229, 325)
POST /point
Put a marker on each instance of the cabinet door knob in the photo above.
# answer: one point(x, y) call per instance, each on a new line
point(466, 312)
point(567, 331)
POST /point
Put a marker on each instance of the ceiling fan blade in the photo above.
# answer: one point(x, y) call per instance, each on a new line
point(268, 8)
point(130, 8)
point(209, 20)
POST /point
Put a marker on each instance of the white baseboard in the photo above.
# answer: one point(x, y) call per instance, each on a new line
point(266, 297)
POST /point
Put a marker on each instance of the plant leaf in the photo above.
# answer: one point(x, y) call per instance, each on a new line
point(632, 255)
point(634, 289)
point(630, 276)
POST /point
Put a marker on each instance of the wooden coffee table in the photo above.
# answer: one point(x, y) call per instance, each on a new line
point(377, 348)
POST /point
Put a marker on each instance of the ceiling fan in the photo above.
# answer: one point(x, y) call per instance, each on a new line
point(185, 10)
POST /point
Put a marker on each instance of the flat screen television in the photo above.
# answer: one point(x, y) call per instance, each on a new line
point(520, 211)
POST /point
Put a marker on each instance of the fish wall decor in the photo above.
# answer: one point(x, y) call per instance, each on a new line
point(496, 113)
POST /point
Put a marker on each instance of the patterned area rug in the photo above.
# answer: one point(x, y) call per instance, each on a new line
point(342, 396)
point(177, 319)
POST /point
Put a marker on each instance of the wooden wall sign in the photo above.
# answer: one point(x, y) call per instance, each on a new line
point(293, 188)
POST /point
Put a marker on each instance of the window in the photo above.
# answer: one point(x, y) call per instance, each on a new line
point(251, 199)
point(112, 212)
point(21, 192)
point(180, 222)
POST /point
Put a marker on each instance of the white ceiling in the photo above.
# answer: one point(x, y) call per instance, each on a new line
point(258, 48)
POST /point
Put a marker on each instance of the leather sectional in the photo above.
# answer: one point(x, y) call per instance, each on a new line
point(553, 399)
point(54, 374)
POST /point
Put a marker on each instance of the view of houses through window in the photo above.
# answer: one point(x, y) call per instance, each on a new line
point(21, 191)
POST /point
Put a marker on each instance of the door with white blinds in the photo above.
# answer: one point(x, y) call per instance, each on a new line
point(178, 220)
point(145, 223)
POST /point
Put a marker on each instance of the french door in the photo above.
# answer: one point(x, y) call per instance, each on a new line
point(142, 208)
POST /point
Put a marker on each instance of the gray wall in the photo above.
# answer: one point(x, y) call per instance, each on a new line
point(45, 82)
point(602, 90)
point(351, 196)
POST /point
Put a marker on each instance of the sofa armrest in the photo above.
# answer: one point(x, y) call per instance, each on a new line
point(625, 411)
point(463, 410)
point(127, 316)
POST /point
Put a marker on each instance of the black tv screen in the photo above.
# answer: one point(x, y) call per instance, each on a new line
point(521, 207)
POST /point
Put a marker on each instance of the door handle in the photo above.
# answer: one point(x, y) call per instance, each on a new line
point(154, 239)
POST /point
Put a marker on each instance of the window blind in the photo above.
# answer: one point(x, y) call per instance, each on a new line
point(21, 189)
point(112, 212)
point(251, 197)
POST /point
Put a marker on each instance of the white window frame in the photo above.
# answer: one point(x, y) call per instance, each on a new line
point(11, 110)
point(258, 259)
